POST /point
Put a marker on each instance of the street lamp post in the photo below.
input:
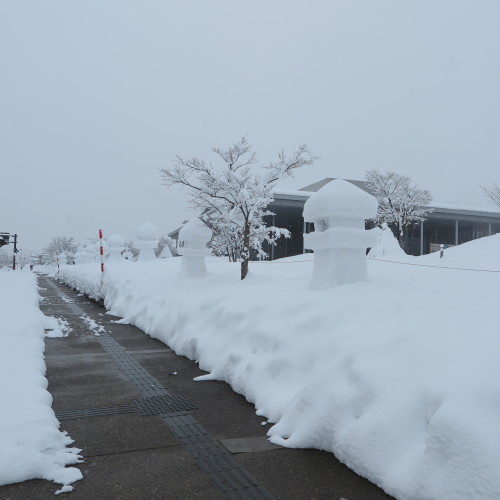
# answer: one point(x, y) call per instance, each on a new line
point(14, 253)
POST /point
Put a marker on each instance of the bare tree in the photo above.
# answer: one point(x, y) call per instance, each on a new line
point(232, 196)
point(23, 259)
point(400, 203)
point(130, 252)
point(5, 258)
point(59, 244)
point(493, 194)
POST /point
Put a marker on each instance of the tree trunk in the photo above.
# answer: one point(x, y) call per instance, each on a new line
point(244, 268)
point(402, 239)
point(246, 251)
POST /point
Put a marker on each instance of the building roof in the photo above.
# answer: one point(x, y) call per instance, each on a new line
point(318, 185)
point(297, 198)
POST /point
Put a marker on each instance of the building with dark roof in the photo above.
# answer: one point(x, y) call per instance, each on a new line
point(447, 225)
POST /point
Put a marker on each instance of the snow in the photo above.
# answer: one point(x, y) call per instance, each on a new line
point(56, 327)
point(386, 245)
point(115, 243)
point(340, 240)
point(461, 208)
point(93, 326)
point(31, 444)
point(147, 232)
point(147, 240)
point(398, 376)
point(340, 199)
point(194, 234)
point(293, 192)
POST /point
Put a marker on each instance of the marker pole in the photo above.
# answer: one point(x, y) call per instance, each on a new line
point(101, 251)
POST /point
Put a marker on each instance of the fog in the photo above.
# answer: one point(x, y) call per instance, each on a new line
point(96, 97)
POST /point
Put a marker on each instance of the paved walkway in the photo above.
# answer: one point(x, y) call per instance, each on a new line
point(146, 430)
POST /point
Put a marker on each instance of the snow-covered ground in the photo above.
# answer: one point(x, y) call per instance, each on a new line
point(31, 445)
point(398, 376)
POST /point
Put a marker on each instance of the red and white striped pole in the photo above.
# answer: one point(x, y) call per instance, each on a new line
point(101, 251)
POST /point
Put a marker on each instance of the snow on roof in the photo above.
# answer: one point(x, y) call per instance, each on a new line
point(447, 206)
point(319, 184)
point(305, 192)
point(291, 192)
point(340, 198)
point(195, 230)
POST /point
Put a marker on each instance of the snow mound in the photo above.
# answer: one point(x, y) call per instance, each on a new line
point(396, 376)
point(31, 444)
point(387, 245)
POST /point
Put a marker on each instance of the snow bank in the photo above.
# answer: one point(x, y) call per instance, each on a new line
point(397, 377)
point(387, 245)
point(31, 444)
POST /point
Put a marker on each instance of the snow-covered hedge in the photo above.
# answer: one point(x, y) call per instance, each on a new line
point(398, 377)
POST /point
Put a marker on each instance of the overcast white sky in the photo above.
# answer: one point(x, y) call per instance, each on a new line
point(96, 96)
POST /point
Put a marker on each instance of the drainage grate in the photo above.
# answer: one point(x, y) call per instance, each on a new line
point(169, 403)
point(156, 405)
point(95, 412)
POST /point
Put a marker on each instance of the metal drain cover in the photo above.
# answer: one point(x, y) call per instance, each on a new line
point(95, 412)
point(169, 403)
point(155, 405)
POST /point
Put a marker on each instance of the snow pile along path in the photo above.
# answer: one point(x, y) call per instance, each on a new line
point(31, 445)
point(398, 377)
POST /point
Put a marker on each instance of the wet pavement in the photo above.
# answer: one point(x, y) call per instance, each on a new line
point(147, 430)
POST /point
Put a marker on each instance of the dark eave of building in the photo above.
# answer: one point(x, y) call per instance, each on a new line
point(285, 198)
point(175, 233)
point(318, 185)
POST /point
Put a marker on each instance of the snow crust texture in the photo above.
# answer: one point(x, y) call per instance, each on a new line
point(31, 444)
point(398, 376)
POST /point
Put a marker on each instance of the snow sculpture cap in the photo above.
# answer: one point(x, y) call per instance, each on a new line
point(115, 240)
point(195, 231)
point(147, 232)
point(340, 198)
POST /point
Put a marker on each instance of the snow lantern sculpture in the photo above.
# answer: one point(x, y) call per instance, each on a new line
point(193, 239)
point(146, 241)
point(115, 245)
point(338, 211)
point(90, 253)
point(81, 257)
